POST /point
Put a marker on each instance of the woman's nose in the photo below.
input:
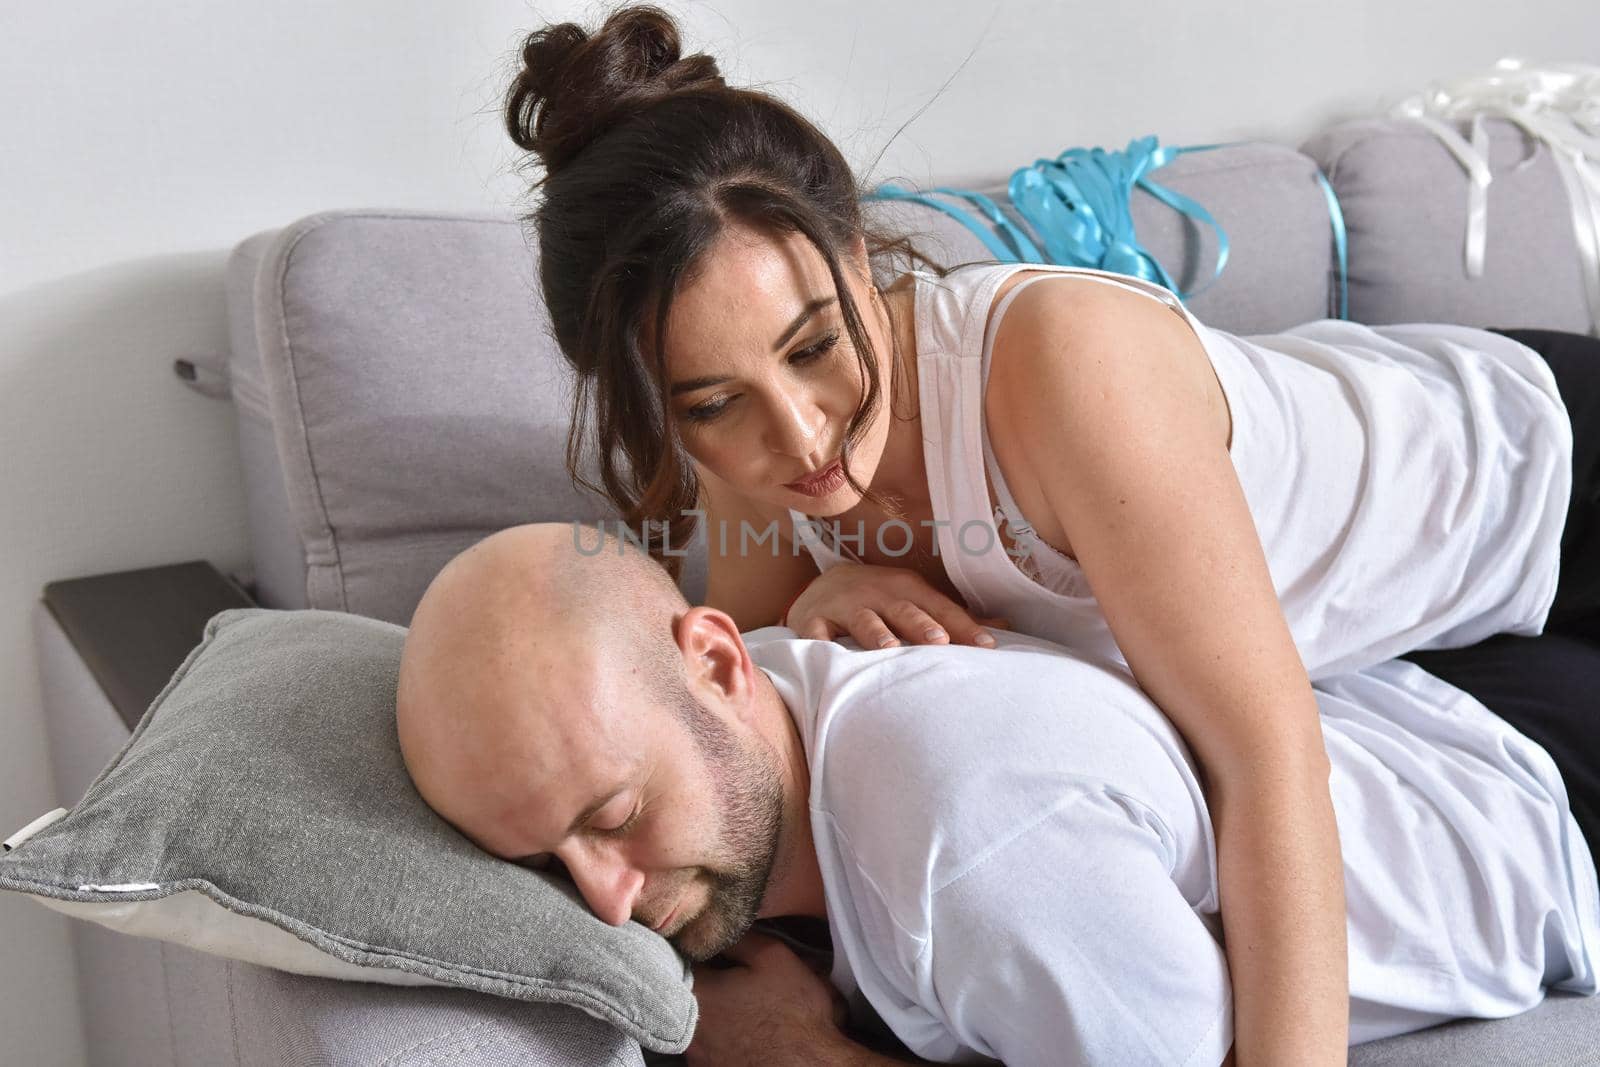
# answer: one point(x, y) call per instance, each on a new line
point(610, 885)
point(794, 426)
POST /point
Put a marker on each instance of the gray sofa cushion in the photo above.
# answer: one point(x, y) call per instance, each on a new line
point(236, 1015)
point(1563, 1031)
point(1266, 198)
point(263, 793)
point(1404, 198)
point(415, 402)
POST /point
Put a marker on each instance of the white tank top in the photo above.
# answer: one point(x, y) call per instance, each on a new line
point(1409, 483)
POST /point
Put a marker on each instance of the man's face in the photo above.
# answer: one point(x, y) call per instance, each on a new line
point(671, 820)
point(749, 812)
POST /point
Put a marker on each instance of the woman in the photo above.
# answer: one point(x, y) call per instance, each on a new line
point(1228, 519)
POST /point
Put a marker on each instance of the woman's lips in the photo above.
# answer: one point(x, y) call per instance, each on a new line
point(820, 482)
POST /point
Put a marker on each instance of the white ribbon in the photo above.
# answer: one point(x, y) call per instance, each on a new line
point(1558, 105)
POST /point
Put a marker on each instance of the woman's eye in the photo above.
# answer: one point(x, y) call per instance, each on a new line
point(707, 410)
point(821, 348)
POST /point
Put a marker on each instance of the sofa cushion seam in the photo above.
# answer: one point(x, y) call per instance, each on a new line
point(299, 408)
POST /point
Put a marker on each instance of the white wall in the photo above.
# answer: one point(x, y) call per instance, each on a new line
point(140, 142)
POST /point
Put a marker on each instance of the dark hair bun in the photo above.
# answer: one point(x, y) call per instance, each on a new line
point(575, 86)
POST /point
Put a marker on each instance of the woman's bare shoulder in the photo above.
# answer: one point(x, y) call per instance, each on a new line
point(1068, 297)
point(1050, 329)
point(1063, 336)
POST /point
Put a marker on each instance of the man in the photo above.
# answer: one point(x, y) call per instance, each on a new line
point(1011, 846)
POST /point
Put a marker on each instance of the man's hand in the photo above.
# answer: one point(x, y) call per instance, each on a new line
point(771, 1005)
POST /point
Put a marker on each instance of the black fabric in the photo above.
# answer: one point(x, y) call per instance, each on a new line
point(1575, 360)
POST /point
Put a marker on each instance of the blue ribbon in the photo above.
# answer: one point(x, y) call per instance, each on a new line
point(1079, 206)
point(1337, 217)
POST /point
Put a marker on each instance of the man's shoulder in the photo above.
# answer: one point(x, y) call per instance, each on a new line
point(924, 721)
point(932, 753)
point(924, 757)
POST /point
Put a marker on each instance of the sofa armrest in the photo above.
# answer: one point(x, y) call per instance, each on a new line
point(241, 1015)
point(132, 629)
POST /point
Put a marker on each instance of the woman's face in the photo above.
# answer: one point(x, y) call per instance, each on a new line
point(763, 379)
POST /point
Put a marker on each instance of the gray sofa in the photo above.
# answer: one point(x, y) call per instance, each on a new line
point(398, 398)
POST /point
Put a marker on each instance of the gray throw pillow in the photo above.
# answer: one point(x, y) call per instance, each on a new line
point(261, 811)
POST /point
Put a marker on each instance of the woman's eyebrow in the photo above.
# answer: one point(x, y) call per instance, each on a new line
point(813, 306)
point(689, 385)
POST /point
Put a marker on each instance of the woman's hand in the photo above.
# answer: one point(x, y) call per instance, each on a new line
point(881, 607)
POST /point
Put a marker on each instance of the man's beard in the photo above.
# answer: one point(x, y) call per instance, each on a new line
point(750, 795)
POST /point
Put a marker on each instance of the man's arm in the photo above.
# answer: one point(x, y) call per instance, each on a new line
point(772, 1010)
point(840, 1051)
point(1070, 942)
point(846, 1053)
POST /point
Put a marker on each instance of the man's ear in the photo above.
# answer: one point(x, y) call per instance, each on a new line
point(715, 660)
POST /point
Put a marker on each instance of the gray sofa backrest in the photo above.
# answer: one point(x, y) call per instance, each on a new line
point(400, 397)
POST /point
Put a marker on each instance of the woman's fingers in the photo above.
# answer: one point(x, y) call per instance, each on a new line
point(870, 631)
point(955, 620)
point(814, 629)
point(977, 635)
point(881, 607)
point(932, 612)
point(915, 625)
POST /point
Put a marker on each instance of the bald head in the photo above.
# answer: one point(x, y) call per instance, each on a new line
point(515, 645)
point(559, 701)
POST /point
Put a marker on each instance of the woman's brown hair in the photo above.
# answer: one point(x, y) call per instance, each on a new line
point(648, 158)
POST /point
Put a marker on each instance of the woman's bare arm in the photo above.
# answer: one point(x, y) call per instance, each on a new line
point(752, 569)
point(1104, 384)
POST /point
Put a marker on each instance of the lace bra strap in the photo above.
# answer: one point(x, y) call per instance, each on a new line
point(1007, 511)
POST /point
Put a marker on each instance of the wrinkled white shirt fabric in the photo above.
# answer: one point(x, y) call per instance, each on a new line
point(1019, 864)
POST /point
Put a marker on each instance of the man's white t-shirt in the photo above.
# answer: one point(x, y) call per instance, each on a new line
point(1019, 863)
